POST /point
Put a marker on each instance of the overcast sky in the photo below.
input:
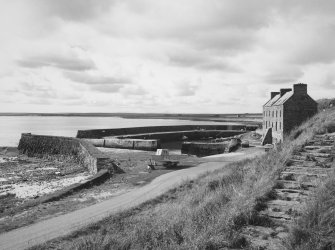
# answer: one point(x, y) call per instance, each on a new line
point(185, 56)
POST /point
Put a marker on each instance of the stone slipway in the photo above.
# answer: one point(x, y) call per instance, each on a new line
point(44, 231)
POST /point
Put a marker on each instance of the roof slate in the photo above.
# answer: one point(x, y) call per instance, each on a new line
point(284, 98)
point(272, 101)
point(277, 100)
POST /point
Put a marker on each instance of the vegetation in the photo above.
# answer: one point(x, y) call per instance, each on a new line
point(315, 229)
point(326, 103)
point(210, 212)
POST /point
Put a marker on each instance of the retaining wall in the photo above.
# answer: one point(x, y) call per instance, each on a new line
point(100, 133)
point(82, 151)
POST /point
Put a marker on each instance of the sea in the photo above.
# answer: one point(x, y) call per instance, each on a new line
point(11, 127)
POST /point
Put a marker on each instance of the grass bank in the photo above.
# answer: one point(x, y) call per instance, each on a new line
point(315, 229)
point(207, 213)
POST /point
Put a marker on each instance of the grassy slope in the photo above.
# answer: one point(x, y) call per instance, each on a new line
point(315, 229)
point(326, 103)
point(209, 212)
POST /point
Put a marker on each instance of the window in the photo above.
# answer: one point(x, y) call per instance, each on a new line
point(280, 113)
point(273, 114)
point(276, 124)
point(279, 125)
point(276, 113)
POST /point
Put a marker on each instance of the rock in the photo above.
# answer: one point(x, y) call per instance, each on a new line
point(234, 144)
point(282, 235)
point(245, 144)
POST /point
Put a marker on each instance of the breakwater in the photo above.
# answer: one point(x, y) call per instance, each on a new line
point(150, 138)
point(101, 133)
point(203, 149)
point(127, 143)
point(81, 151)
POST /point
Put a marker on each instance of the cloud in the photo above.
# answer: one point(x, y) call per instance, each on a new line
point(132, 90)
point(198, 60)
point(57, 61)
point(30, 89)
point(185, 88)
point(115, 88)
point(313, 48)
point(284, 75)
point(74, 10)
point(140, 49)
point(329, 82)
point(91, 79)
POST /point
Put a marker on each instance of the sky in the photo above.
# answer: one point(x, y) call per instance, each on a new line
point(185, 56)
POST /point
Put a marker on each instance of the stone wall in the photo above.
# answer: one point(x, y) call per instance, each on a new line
point(203, 149)
point(179, 135)
point(149, 145)
point(101, 133)
point(82, 151)
point(152, 141)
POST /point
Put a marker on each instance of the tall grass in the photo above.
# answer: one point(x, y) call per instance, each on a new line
point(207, 213)
point(315, 229)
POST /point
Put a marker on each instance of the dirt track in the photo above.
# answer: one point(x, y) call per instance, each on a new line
point(65, 224)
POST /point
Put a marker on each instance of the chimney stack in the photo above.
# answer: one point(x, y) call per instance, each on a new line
point(284, 91)
point(273, 94)
point(300, 89)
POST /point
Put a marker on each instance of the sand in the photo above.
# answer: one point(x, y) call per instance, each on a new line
point(29, 190)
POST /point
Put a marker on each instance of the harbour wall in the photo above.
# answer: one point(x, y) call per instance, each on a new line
point(101, 133)
point(203, 149)
point(127, 143)
point(184, 135)
point(152, 141)
point(82, 151)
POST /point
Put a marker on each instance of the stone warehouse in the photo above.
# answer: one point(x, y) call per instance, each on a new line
point(287, 109)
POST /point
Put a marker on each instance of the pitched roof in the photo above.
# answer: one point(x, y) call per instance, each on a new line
point(272, 101)
point(284, 98)
point(277, 100)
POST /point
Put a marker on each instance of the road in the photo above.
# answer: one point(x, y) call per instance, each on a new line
point(62, 225)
